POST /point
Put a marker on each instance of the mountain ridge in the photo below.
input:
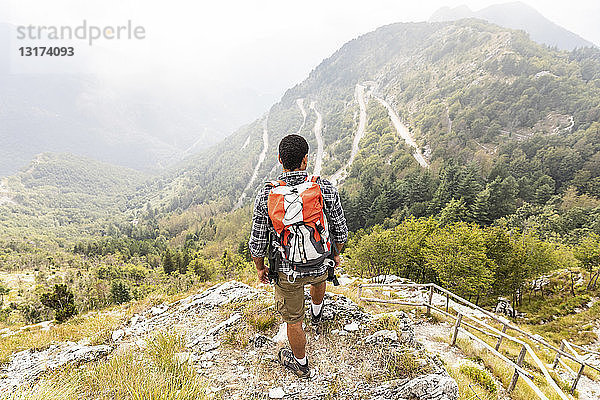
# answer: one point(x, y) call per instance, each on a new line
point(468, 92)
point(518, 15)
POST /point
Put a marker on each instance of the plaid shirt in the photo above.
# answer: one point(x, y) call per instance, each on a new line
point(261, 224)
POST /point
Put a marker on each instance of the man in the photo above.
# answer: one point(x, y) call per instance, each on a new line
point(289, 292)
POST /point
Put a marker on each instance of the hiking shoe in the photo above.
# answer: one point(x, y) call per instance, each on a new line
point(315, 319)
point(286, 358)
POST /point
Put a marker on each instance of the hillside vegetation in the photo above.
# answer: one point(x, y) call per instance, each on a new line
point(509, 190)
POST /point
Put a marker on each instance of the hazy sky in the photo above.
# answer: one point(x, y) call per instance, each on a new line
point(266, 45)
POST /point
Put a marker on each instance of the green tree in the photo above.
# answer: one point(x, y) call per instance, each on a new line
point(457, 253)
point(169, 261)
point(203, 268)
point(588, 254)
point(62, 301)
point(455, 210)
point(120, 292)
point(481, 208)
point(3, 292)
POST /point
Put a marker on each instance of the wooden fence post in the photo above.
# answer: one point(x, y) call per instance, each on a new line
point(447, 301)
point(430, 300)
point(359, 292)
point(515, 377)
point(576, 381)
point(456, 326)
point(504, 328)
point(562, 348)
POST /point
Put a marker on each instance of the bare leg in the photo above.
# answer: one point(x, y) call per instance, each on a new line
point(295, 333)
point(317, 292)
point(297, 339)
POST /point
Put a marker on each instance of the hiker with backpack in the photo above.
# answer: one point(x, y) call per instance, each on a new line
point(299, 223)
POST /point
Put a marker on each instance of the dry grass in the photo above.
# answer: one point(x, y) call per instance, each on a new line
point(260, 314)
point(406, 364)
point(237, 338)
point(480, 377)
point(503, 372)
point(154, 374)
point(95, 326)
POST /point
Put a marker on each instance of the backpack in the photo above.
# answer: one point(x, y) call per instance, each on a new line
point(298, 217)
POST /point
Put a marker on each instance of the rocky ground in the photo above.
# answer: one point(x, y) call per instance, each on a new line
point(232, 341)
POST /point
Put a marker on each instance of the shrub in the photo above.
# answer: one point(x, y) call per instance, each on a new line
point(479, 376)
point(62, 301)
point(31, 313)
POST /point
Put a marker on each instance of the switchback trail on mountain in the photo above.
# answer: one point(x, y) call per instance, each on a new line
point(261, 158)
point(404, 132)
point(300, 104)
point(359, 95)
point(317, 130)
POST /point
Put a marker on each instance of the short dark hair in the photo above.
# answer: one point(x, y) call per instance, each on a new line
point(292, 150)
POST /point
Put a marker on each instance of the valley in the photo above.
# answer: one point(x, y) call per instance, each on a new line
point(493, 193)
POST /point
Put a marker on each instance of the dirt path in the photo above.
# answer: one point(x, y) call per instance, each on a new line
point(359, 95)
point(571, 124)
point(448, 120)
point(317, 130)
point(404, 132)
point(300, 104)
point(246, 143)
point(261, 158)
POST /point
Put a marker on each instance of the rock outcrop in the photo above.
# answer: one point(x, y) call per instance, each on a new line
point(350, 352)
point(27, 366)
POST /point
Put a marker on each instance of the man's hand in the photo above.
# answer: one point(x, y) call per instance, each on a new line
point(336, 257)
point(261, 269)
point(337, 260)
point(263, 275)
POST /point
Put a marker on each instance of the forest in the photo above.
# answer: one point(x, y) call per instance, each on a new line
point(512, 133)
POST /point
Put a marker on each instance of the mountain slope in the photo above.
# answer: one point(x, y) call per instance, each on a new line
point(463, 119)
point(211, 327)
point(518, 15)
point(461, 87)
point(67, 196)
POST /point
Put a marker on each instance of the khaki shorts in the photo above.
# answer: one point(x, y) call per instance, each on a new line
point(289, 297)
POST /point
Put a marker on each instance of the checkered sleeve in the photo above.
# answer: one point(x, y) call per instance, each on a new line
point(259, 235)
point(335, 212)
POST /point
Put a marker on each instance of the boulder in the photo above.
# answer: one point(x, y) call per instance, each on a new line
point(382, 336)
point(426, 387)
point(504, 307)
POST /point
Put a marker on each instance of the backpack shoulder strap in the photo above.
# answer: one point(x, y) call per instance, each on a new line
point(274, 184)
point(312, 178)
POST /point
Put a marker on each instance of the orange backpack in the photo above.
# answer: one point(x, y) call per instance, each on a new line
point(298, 217)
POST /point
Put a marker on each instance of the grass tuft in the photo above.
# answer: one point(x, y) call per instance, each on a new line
point(406, 365)
point(479, 376)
